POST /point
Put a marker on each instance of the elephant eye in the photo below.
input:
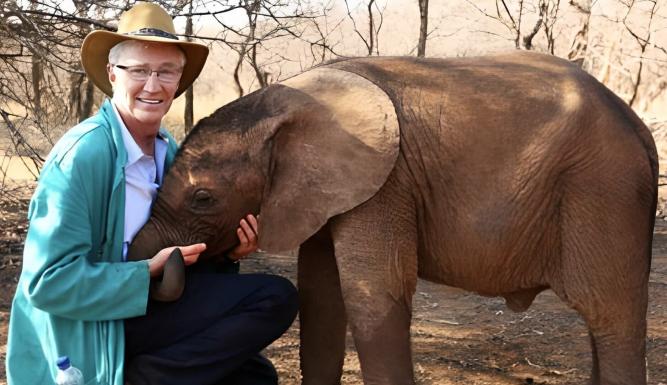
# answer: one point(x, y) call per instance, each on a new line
point(202, 199)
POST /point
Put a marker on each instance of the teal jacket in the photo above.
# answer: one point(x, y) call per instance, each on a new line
point(74, 291)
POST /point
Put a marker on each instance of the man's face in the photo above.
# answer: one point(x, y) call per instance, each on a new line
point(144, 103)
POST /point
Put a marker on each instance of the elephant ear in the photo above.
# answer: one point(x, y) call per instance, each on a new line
point(332, 154)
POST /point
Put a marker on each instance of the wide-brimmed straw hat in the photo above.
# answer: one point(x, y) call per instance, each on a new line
point(143, 22)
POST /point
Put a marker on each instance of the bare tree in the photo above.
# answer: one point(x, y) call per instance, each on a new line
point(534, 24)
point(546, 20)
point(550, 17)
point(43, 89)
point(322, 46)
point(22, 146)
point(375, 20)
point(423, 27)
point(251, 8)
point(642, 41)
point(528, 39)
point(267, 23)
point(579, 48)
point(81, 89)
point(188, 114)
point(37, 74)
point(40, 55)
point(504, 16)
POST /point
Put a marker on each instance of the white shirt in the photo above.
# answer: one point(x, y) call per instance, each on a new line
point(143, 176)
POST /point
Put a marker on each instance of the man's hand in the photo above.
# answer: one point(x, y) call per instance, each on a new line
point(247, 233)
point(190, 255)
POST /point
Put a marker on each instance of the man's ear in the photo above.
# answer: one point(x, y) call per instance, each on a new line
point(112, 75)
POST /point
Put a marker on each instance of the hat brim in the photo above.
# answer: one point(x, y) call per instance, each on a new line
point(95, 56)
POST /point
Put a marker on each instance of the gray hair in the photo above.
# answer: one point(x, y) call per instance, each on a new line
point(117, 50)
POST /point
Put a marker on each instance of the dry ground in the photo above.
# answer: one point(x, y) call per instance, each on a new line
point(458, 337)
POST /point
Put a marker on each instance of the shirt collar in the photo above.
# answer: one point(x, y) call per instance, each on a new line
point(134, 152)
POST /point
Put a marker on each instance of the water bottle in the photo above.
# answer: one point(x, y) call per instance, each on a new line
point(68, 374)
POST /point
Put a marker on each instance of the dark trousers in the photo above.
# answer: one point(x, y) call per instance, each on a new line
point(213, 334)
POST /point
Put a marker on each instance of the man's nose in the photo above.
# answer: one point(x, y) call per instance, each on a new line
point(152, 83)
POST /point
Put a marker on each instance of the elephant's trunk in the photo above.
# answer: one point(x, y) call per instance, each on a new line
point(145, 245)
point(170, 288)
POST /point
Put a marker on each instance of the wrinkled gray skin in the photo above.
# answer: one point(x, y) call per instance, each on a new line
point(513, 174)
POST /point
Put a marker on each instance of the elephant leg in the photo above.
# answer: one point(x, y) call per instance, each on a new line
point(595, 366)
point(604, 275)
point(618, 351)
point(321, 312)
point(376, 250)
point(617, 329)
point(616, 319)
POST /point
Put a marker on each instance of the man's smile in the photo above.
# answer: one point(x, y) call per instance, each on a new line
point(150, 101)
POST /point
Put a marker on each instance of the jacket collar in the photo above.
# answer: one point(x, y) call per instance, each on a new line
point(108, 114)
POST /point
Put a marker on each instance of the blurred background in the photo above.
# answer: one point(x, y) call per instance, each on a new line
point(43, 90)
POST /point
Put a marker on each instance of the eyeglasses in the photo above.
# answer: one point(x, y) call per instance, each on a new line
point(141, 73)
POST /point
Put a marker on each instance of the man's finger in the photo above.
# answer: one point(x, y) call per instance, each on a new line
point(253, 222)
point(250, 234)
point(190, 259)
point(246, 228)
point(242, 236)
point(197, 248)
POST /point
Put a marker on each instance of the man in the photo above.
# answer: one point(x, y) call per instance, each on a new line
point(77, 296)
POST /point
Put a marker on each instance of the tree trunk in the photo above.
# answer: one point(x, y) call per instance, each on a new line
point(75, 98)
point(36, 85)
point(88, 101)
point(528, 39)
point(188, 116)
point(261, 75)
point(635, 86)
point(237, 73)
point(423, 27)
point(579, 48)
point(37, 75)
point(80, 102)
point(371, 27)
point(643, 43)
point(552, 7)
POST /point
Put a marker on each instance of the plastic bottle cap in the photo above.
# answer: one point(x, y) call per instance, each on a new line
point(63, 363)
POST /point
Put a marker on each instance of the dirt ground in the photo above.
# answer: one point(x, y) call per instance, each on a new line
point(457, 337)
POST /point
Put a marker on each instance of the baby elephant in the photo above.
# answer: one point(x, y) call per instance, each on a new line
point(504, 175)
